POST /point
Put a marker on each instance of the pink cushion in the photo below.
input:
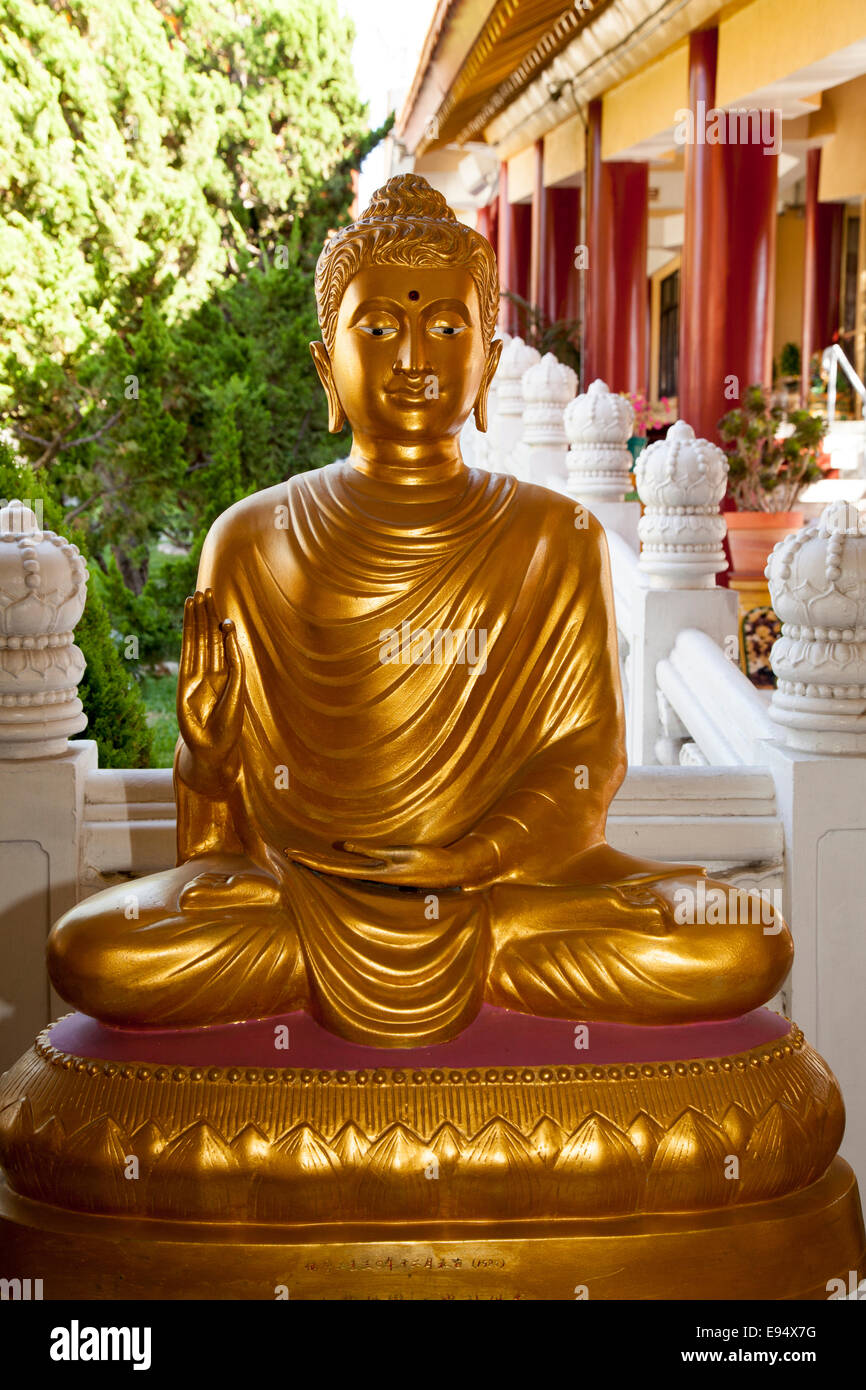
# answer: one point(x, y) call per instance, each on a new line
point(496, 1037)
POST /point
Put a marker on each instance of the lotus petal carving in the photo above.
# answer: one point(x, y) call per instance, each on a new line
point(299, 1180)
point(547, 1139)
point(197, 1171)
point(645, 1133)
point(689, 1166)
point(599, 1170)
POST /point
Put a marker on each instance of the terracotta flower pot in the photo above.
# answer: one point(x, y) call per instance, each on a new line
point(752, 535)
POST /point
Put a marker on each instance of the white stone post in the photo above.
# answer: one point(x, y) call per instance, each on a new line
point(681, 481)
point(817, 579)
point(599, 424)
point(505, 436)
point(547, 389)
point(43, 585)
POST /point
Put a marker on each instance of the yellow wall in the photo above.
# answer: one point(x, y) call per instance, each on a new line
point(790, 254)
point(645, 104)
point(564, 151)
point(843, 158)
point(521, 176)
point(770, 39)
point(656, 278)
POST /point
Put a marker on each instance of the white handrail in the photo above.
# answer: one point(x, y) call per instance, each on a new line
point(832, 359)
point(714, 700)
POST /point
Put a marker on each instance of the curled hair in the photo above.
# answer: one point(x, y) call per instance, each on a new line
point(408, 223)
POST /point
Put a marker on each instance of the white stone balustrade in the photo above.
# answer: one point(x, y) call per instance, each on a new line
point(681, 481)
point(599, 424)
point(548, 386)
point(817, 579)
point(43, 587)
point(507, 428)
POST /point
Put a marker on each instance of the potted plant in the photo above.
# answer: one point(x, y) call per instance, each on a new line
point(646, 419)
point(790, 363)
point(559, 336)
point(770, 465)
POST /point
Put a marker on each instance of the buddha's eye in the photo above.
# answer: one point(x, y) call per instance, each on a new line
point(378, 330)
point(447, 330)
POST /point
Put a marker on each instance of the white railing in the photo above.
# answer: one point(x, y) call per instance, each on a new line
point(130, 822)
point(719, 710)
point(832, 359)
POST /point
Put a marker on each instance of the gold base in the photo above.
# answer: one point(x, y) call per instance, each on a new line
point(506, 1143)
point(788, 1248)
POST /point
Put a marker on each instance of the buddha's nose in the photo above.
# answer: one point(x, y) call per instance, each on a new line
point(411, 352)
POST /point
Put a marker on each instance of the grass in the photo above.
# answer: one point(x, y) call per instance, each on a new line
point(159, 694)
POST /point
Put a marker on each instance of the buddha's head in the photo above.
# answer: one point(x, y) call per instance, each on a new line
point(407, 298)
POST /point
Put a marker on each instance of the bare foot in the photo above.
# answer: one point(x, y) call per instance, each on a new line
point(210, 891)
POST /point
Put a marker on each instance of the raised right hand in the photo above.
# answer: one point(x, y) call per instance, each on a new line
point(210, 682)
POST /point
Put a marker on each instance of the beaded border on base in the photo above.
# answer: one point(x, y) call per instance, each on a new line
point(142, 1071)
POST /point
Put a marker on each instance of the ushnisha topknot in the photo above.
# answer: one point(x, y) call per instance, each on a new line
point(408, 223)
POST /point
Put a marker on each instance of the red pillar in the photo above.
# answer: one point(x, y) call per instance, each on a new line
point(593, 328)
point(828, 251)
point(617, 306)
point(810, 269)
point(822, 269)
point(503, 247)
point(627, 303)
point(751, 194)
point(729, 261)
point(514, 252)
point(521, 254)
point(484, 220)
point(561, 280)
point(703, 270)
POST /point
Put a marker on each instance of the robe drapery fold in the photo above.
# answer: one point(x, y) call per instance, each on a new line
point(335, 584)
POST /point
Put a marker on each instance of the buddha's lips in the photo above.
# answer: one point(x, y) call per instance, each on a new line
point(406, 393)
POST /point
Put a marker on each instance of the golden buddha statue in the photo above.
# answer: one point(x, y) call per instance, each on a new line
point(401, 729)
point(318, 770)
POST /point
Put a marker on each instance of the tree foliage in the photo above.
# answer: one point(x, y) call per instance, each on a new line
point(169, 170)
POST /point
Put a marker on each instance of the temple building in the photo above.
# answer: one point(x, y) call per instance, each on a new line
point(688, 181)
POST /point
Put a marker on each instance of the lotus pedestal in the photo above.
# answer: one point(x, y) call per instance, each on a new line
point(272, 1160)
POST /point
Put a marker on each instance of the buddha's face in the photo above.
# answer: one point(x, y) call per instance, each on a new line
point(409, 359)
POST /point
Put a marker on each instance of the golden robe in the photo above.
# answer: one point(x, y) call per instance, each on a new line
point(521, 741)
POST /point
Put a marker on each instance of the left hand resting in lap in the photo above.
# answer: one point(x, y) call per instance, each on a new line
point(470, 863)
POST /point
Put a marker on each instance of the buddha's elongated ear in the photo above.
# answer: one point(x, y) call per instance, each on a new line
point(336, 413)
point(490, 366)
